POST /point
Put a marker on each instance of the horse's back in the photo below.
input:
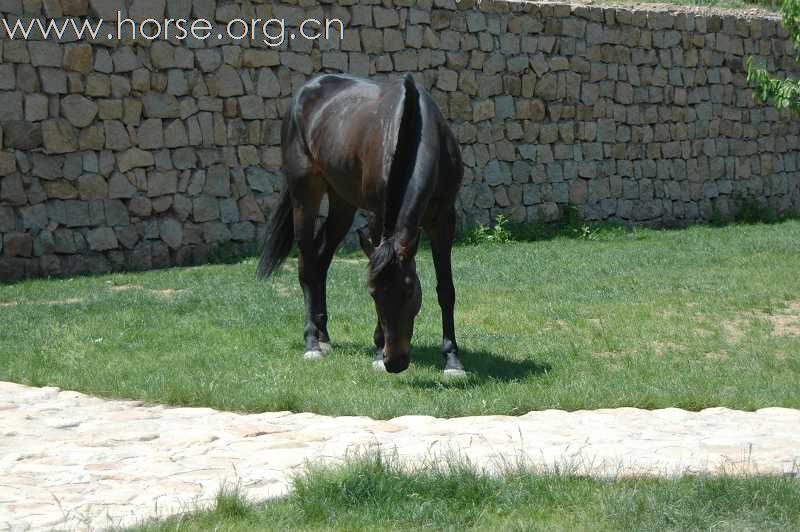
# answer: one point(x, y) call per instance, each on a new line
point(341, 127)
point(323, 134)
point(323, 90)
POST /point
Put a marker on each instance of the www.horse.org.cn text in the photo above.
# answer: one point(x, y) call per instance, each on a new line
point(272, 32)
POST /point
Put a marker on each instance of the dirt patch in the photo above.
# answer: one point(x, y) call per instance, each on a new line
point(786, 323)
point(669, 313)
point(126, 287)
point(704, 333)
point(68, 301)
point(609, 354)
point(716, 355)
point(735, 329)
point(168, 293)
point(661, 348)
point(562, 325)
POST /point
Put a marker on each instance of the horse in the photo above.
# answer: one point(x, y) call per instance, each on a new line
point(384, 147)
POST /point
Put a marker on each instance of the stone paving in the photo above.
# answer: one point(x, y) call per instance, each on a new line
point(70, 461)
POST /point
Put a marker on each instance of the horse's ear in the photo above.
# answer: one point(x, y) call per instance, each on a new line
point(366, 243)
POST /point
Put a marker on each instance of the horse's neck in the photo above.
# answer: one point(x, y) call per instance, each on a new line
point(409, 218)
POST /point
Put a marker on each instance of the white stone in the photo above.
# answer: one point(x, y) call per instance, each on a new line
point(162, 459)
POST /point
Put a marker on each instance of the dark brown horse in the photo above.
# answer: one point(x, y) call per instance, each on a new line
point(383, 147)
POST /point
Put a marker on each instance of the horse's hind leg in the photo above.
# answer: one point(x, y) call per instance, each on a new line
point(340, 218)
point(442, 232)
point(307, 195)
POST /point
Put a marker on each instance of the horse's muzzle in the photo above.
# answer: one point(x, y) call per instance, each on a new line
point(397, 363)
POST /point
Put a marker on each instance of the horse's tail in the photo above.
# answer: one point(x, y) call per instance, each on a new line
point(279, 236)
point(408, 138)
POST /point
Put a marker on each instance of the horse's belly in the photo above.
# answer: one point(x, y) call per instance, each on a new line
point(346, 181)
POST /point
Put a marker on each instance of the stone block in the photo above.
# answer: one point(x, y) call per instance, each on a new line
point(22, 135)
point(78, 58)
point(150, 134)
point(159, 105)
point(162, 183)
point(134, 158)
point(205, 208)
point(18, 245)
point(59, 136)
point(102, 239)
point(171, 232)
point(92, 187)
point(116, 135)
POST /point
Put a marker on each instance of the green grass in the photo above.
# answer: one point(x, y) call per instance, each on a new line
point(692, 318)
point(374, 494)
point(769, 5)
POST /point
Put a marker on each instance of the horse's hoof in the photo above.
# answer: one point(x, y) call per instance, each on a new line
point(454, 374)
point(314, 354)
point(377, 361)
point(325, 347)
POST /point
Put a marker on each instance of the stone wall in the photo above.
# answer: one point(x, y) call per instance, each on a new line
point(133, 155)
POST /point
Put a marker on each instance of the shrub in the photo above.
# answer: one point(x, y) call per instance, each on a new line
point(783, 92)
point(499, 233)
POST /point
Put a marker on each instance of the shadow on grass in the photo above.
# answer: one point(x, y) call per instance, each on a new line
point(481, 366)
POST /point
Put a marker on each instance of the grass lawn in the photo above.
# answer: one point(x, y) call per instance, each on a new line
point(692, 318)
point(767, 5)
point(370, 494)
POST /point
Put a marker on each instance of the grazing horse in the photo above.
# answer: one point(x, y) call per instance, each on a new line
point(383, 147)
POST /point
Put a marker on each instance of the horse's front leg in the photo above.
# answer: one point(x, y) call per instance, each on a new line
point(367, 237)
point(442, 234)
point(380, 340)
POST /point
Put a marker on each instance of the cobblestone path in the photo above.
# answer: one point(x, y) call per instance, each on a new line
point(71, 461)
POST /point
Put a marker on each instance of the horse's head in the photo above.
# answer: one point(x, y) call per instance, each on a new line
point(394, 286)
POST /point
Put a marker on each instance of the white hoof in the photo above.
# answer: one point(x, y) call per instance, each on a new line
point(454, 374)
point(313, 355)
point(325, 347)
point(377, 365)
